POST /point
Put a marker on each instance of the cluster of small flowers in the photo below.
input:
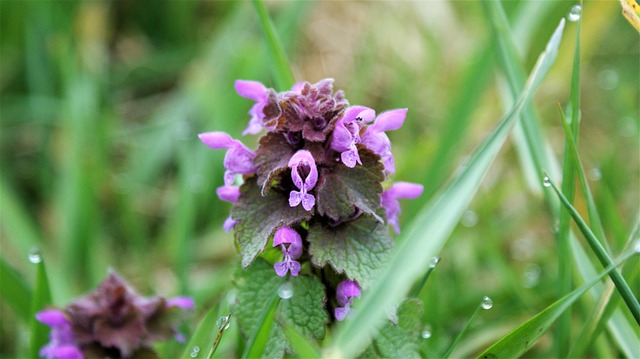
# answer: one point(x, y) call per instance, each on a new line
point(321, 129)
point(113, 321)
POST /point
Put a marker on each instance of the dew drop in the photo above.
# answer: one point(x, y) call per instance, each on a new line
point(469, 218)
point(575, 13)
point(487, 303)
point(426, 332)
point(286, 291)
point(555, 227)
point(546, 181)
point(35, 256)
point(434, 262)
point(531, 275)
point(595, 174)
point(194, 352)
point(636, 248)
point(223, 322)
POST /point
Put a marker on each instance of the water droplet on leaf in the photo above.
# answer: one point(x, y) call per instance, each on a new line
point(223, 322)
point(487, 303)
point(286, 291)
point(35, 256)
point(434, 262)
point(575, 13)
point(194, 352)
point(546, 181)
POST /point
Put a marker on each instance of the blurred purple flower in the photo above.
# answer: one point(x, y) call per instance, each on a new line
point(346, 291)
point(375, 138)
point(290, 243)
point(389, 200)
point(304, 175)
point(62, 343)
point(346, 134)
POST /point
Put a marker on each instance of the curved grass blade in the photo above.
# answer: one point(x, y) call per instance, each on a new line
point(279, 64)
point(41, 298)
point(300, 344)
point(522, 338)
point(432, 226)
point(603, 256)
point(259, 339)
point(203, 337)
point(15, 292)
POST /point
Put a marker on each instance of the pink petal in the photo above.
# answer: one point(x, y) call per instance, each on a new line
point(181, 302)
point(294, 267)
point(281, 268)
point(389, 120)
point(217, 140)
point(341, 313)
point(52, 317)
point(405, 190)
point(228, 225)
point(295, 198)
point(253, 90)
point(286, 235)
point(228, 193)
point(308, 201)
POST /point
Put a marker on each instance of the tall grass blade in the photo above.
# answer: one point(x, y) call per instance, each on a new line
point(41, 298)
point(259, 339)
point(17, 225)
point(432, 226)
point(301, 344)
point(14, 292)
point(280, 67)
point(204, 335)
point(517, 342)
point(603, 256)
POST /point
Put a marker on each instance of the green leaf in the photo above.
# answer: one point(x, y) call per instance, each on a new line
point(304, 312)
point(15, 292)
point(358, 248)
point(426, 235)
point(40, 300)
point(341, 188)
point(402, 340)
point(522, 338)
point(259, 216)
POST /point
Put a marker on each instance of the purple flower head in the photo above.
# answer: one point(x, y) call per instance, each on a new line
point(228, 193)
point(375, 139)
point(389, 200)
point(311, 108)
point(346, 134)
point(304, 175)
point(62, 343)
point(266, 106)
point(346, 291)
point(291, 244)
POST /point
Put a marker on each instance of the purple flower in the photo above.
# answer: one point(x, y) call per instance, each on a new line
point(181, 302)
point(228, 193)
point(291, 244)
point(256, 91)
point(346, 291)
point(346, 134)
point(229, 223)
point(304, 175)
point(375, 139)
point(389, 200)
point(62, 343)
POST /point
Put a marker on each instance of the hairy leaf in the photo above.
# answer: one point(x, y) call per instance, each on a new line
point(357, 248)
point(272, 157)
point(259, 216)
point(342, 191)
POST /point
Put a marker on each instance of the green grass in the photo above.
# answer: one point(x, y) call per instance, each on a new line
point(100, 104)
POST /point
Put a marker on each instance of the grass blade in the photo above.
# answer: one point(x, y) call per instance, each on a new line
point(279, 64)
point(41, 298)
point(430, 229)
point(204, 336)
point(603, 256)
point(300, 344)
point(15, 292)
point(259, 339)
point(522, 338)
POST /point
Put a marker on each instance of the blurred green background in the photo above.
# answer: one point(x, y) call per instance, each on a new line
point(101, 101)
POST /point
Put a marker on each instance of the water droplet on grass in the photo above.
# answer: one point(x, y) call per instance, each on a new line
point(575, 13)
point(194, 352)
point(636, 248)
point(546, 181)
point(35, 256)
point(487, 303)
point(434, 262)
point(285, 291)
point(223, 322)
point(469, 218)
point(426, 332)
point(595, 174)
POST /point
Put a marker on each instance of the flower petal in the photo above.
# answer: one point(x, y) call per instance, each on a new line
point(52, 317)
point(217, 140)
point(181, 302)
point(308, 201)
point(341, 313)
point(405, 190)
point(253, 90)
point(294, 267)
point(281, 268)
point(389, 120)
point(228, 193)
point(347, 289)
point(295, 198)
point(228, 225)
point(286, 235)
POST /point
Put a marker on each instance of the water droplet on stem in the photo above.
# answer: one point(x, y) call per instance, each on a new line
point(487, 303)
point(434, 262)
point(426, 332)
point(223, 322)
point(575, 13)
point(546, 181)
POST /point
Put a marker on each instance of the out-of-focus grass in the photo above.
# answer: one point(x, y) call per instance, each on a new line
point(100, 103)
